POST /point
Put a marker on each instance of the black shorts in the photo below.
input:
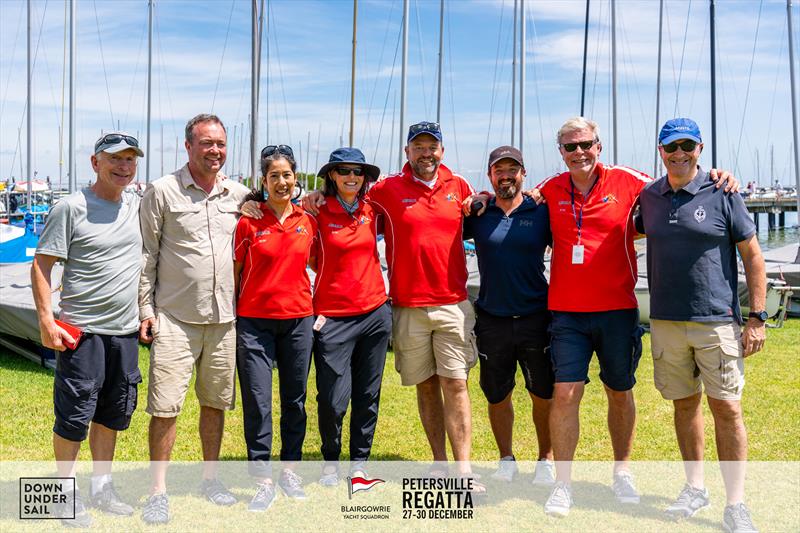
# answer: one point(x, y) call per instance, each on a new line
point(505, 341)
point(97, 382)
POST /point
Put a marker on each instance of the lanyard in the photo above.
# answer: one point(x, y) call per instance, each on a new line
point(579, 217)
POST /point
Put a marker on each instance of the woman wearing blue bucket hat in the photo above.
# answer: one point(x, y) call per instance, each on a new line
point(353, 317)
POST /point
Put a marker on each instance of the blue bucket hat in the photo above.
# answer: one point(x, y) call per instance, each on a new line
point(430, 128)
point(679, 128)
point(352, 156)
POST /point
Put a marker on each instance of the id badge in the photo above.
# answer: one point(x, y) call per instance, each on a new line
point(577, 254)
point(319, 322)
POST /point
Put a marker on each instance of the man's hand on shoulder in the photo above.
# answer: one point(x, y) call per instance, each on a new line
point(251, 209)
point(475, 204)
point(312, 202)
point(723, 177)
point(535, 195)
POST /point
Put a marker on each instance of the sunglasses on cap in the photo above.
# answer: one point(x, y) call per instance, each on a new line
point(687, 145)
point(346, 171)
point(280, 148)
point(424, 126)
point(116, 138)
point(585, 145)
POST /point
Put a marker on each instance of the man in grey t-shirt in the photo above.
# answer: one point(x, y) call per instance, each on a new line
point(95, 233)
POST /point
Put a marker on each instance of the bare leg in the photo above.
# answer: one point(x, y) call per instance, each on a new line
point(66, 453)
point(565, 426)
point(458, 420)
point(621, 425)
point(431, 414)
point(541, 421)
point(162, 439)
point(731, 437)
point(212, 423)
point(102, 442)
point(691, 438)
point(501, 418)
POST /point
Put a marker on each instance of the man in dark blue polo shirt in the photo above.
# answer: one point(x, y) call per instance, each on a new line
point(512, 318)
point(693, 232)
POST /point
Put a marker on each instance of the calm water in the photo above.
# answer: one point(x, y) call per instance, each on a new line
point(782, 237)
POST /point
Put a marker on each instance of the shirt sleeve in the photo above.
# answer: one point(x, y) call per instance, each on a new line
point(740, 225)
point(57, 233)
point(468, 227)
point(151, 220)
point(241, 240)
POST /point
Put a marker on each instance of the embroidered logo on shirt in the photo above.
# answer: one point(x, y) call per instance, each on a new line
point(700, 214)
point(409, 200)
point(337, 226)
point(610, 198)
point(301, 230)
point(526, 223)
point(263, 232)
point(364, 219)
point(450, 197)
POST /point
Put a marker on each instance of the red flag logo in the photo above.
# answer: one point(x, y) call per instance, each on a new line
point(360, 483)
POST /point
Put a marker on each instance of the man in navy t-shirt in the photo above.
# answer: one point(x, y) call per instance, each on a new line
point(512, 319)
point(693, 232)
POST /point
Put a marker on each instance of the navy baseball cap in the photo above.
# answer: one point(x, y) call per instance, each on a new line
point(679, 128)
point(431, 128)
point(505, 152)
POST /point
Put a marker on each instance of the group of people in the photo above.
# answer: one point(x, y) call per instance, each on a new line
point(225, 294)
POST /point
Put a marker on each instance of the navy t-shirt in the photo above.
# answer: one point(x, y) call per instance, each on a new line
point(511, 258)
point(691, 249)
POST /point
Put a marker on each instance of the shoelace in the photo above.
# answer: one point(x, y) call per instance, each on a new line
point(560, 495)
point(741, 515)
point(261, 493)
point(686, 495)
point(292, 478)
point(159, 505)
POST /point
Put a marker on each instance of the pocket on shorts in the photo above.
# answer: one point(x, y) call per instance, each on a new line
point(636, 347)
point(659, 379)
point(730, 366)
point(132, 397)
point(472, 349)
point(74, 388)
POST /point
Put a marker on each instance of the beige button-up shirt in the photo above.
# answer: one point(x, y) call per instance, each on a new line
point(187, 236)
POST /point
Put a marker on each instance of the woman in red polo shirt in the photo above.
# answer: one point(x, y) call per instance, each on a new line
point(353, 317)
point(274, 322)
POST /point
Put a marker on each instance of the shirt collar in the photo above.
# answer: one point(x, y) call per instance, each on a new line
point(692, 187)
point(566, 178)
point(186, 179)
point(443, 174)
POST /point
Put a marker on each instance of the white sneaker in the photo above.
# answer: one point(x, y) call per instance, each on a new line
point(624, 489)
point(689, 502)
point(545, 473)
point(560, 500)
point(506, 469)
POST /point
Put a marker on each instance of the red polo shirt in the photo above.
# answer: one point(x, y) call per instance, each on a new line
point(274, 282)
point(349, 280)
point(607, 276)
point(424, 249)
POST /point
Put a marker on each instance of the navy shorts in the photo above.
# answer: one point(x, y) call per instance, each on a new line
point(97, 382)
point(505, 341)
point(615, 336)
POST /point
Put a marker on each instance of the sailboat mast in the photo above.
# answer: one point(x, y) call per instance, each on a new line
point(794, 111)
point(439, 77)
point(403, 74)
point(521, 73)
point(713, 87)
point(29, 155)
point(614, 76)
point(253, 93)
point(658, 84)
point(73, 178)
point(514, 75)
point(352, 77)
point(149, 84)
point(585, 53)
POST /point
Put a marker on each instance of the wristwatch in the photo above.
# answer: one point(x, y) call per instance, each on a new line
point(760, 315)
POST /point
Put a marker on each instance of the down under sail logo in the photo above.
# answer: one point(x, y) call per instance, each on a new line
point(360, 483)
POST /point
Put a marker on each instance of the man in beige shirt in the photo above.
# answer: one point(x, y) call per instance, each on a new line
point(186, 303)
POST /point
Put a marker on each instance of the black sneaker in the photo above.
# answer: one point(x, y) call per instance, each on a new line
point(156, 510)
point(80, 518)
point(264, 498)
point(108, 501)
point(291, 485)
point(216, 493)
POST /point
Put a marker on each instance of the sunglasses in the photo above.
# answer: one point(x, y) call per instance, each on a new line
point(424, 126)
point(345, 171)
point(687, 146)
point(116, 138)
point(585, 145)
point(280, 148)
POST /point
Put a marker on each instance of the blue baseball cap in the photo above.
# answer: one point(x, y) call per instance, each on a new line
point(352, 156)
point(679, 128)
point(431, 128)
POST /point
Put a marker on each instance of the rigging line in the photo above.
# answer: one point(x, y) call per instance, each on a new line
point(103, 62)
point(47, 65)
point(683, 55)
point(4, 99)
point(749, 78)
point(600, 35)
point(671, 51)
point(222, 59)
point(170, 105)
point(700, 59)
point(452, 92)
point(377, 77)
point(135, 72)
point(778, 72)
point(421, 58)
point(635, 83)
point(494, 78)
point(386, 101)
point(280, 72)
point(723, 92)
point(63, 97)
point(536, 86)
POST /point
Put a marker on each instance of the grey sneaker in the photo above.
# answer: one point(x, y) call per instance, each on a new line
point(736, 519)
point(689, 501)
point(108, 501)
point(291, 485)
point(624, 489)
point(506, 469)
point(545, 473)
point(264, 498)
point(560, 500)
point(156, 510)
point(216, 492)
point(80, 518)
point(329, 476)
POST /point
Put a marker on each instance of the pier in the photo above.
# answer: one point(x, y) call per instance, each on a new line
point(775, 208)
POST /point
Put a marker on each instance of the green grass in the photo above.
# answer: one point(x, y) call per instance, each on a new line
point(771, 404)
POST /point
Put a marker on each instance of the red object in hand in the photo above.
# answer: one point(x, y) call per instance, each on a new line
point(74, 332)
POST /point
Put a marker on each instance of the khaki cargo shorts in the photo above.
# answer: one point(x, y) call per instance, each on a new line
point(435, 340)
point(690, 356)
point(178, 347)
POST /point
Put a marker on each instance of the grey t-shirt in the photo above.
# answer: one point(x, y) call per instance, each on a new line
point(101, 245)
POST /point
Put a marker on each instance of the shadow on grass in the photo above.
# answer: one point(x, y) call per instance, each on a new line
point(17, 363)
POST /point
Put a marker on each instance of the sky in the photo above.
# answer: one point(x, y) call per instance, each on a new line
point(201, 63)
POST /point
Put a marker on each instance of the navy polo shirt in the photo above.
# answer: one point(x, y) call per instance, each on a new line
point(511, 258)
point(691, 249)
